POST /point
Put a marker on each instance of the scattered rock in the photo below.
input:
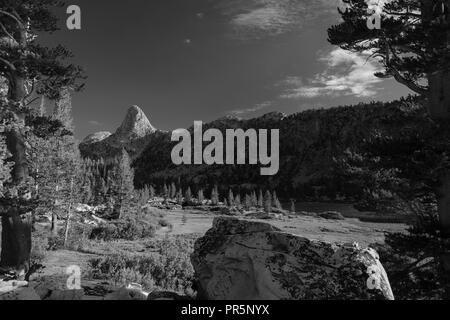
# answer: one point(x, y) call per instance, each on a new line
point(165, 295)
point(130, 292)
point(8, 286)
point(279, 211)
point(229, 211)
point(21, 293)
point(163, 204)
point(246, 260)
point(331, 215)
point(308, 214)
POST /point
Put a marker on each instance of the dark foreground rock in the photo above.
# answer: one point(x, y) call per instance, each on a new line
point(239, 259)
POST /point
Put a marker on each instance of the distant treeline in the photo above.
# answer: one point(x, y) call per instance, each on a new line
point(310, 144)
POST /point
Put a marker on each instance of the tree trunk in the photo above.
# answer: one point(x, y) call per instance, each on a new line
point(439, 94)
point(69, 215)
point(16, 242)
point(439, 98)
point(67, 227)
point(16, 229)
point(17, 88)
point(444, 205)
point(439, 108)
point(16, 226)
point(54, 224)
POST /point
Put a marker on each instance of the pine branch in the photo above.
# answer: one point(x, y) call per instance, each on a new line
point(7, 32)
point(8, 64)
point(14, 17)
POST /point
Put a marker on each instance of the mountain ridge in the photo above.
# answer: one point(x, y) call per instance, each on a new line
point(131, 135)
point(310, 141)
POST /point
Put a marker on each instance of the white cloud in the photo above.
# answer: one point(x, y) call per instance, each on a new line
point(346, 73)
point(254, 109)
point(95, 123)
point(259, 18)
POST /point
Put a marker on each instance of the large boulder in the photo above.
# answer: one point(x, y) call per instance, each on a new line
point(244, 260)
point(7, 286)
point(131, 292)
point(17, 290)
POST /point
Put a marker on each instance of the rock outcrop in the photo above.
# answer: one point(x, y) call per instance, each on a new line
point(243, 260)
point(133, 135)
point(135, 126)
point(130, 292)
point(96, 137)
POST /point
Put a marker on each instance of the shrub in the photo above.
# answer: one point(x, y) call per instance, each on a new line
point(168, 269)
point(164, 223)
point(39, 248)
point(126, 229)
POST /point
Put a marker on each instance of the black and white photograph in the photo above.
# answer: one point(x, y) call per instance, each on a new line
point(225, 154)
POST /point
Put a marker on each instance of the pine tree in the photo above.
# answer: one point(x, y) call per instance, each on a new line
point(173, 191)
point(248, 202)
point(152, 191)
point(200, 196)
point(412, 47)
point(237, 201)
point(55, 163)
point(188, 195)
point(165, 192)
point(143, 196)
point(169, 191)
point(268, 202)
point(254, 199)
point(215, 196)
point(123, 189)
point(260, 199)
point(276, 202)
point(30, 69)
point(230, 198)
point(180, 197)
point(293, 209)
point(63, 109)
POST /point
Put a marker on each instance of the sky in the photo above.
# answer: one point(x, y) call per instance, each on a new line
point(188, 60)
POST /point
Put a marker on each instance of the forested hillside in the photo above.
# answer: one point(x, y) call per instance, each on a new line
point(310, 144)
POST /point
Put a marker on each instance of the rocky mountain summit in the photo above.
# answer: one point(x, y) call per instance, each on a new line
point(133, 135)
point(135, 126)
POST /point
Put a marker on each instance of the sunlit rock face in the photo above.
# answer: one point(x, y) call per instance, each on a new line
point(136, 125)
point(243, 260)
point(96, 137)
point(133, 135)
